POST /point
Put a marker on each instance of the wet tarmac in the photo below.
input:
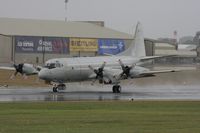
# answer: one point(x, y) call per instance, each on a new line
point(136, 93)
point(171, 86)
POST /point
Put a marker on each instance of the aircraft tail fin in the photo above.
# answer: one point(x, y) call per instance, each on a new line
point(137, 47)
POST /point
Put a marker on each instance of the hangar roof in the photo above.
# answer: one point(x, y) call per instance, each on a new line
point(32, 27)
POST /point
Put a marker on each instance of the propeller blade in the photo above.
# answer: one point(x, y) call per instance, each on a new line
point(126, 70)
point(24, 76)
point(12, 76)
point(103, 65)
point(15, 66)
point(98, 72)
point(94, 70)
point(94, 81)
point(132, 66)
point(15, 73)
point(121, 74)
point(122, 65)
point(91, 67)
point(18, 68)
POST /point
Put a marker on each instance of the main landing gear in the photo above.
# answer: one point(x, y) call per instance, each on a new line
point(58, 87)
point(116, 89)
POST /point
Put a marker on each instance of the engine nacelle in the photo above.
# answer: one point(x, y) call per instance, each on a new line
point(137, 71)
point(29, 69)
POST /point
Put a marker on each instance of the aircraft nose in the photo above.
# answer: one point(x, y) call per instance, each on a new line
point(43, 74)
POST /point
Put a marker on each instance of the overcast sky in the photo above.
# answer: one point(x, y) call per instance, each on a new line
point(158, 17)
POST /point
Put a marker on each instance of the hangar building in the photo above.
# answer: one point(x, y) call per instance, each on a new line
point(35, 41)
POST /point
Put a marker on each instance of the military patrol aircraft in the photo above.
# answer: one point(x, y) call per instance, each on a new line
point(106, 69)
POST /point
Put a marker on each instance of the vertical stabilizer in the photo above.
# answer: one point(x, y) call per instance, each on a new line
point(137, 47)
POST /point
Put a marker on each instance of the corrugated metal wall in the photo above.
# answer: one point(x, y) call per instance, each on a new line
point(5, 49)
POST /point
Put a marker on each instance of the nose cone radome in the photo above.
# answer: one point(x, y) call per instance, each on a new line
point(43, 74)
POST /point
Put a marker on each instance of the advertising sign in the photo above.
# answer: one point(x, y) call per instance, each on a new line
point(110, 46)
point(25, 44)
point(81, 44)
point(55, 45)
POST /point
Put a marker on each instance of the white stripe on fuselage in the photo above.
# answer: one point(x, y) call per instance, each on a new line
point(111, 61)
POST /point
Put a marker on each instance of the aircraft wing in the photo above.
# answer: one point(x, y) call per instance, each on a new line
point(7, 68)
point(148, 73)
point(146, 58)
point(114, 74)
point(23, 69)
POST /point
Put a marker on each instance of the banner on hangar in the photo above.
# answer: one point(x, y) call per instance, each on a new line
point(28, 44)
point(83, 44)
point(110, 46)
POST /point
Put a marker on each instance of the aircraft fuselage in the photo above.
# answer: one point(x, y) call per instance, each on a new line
point(76, 69)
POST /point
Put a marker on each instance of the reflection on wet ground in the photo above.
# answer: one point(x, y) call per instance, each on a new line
point(129, 93)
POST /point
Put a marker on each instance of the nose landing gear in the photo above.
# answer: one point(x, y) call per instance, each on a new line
point(58, 87)
point(55, 89)
point(116, 89)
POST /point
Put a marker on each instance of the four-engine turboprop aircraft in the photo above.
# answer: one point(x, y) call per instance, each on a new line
point(105, 69)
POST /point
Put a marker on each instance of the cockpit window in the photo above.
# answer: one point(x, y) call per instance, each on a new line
point(50, 65)
point(58, 64)
point(53, 65)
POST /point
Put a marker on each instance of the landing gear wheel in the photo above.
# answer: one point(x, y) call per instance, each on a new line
point(116, 89)
point(119, 89)
point(55, 89)
point(61, 87)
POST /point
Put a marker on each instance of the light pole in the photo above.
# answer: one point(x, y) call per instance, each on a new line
point(43, 50)
point(66, 1)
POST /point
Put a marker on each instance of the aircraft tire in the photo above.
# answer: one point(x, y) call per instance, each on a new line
point(55, 89)
point(61, 87)
point(116, 89)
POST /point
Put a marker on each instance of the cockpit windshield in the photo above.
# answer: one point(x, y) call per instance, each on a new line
point(53, 65)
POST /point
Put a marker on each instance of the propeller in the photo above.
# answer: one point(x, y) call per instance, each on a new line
point(98, 72)
point(18, 69)
point(125, 69)
point(38, 68)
